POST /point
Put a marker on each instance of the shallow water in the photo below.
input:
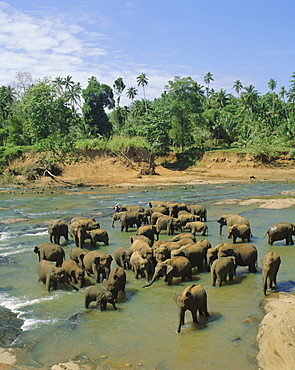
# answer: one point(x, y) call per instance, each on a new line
point(56, 325)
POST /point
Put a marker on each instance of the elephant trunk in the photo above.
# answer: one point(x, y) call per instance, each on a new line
point(152, 280)
point(181, 312)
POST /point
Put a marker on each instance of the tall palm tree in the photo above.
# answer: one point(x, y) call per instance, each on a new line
point(237, 86)
point(59, 83)
point(221, 98)
point(207, 79)
point(74, 95)
point(250, 97)
point(283, 94)
point(272, 84)
point(68, 83)
point(119, 86)
point(131, 93)
point(143, 81)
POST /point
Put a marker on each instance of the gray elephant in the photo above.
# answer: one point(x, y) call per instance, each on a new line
point(98, 236)
point(245, 254)
point(57, 230)
point(195, 252)
point(172, 267)
point(197, 227)
point(160, 209)
point(270, 267)
point(181, 236)
point(161, 253)
point(155, 216)
point(186, 217)
point(175, 208)
point(231, 220)
point(239, 231)
point(122, 257)
point(74, 272)
point(150, 231)
point(133, 208)
point(128, 219)
point(98, 295)
point(116, 282)
point(51, 275)
point(193, 299)
point(221, 268)
point(212, 254)
point(141, 237)
point(168, 223)
point(280, 231)
point(79, 227)
point(141, 266)
point(50, 252)
point(97, 264)
point(198, 210)
point(77, 255)
point(145, 250)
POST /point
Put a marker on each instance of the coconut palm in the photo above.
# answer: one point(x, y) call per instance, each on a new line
point(119, 86)
point(131, 93)
point(221, 98)
point(237, 86)
point(250, 97)
point(143, 81)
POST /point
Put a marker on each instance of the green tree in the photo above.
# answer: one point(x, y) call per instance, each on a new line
point(131, 93)
point(97, 97)
point(238, 87)
point(249, 98)
point(221, 98)
point(272, 84)
point(119, 87)
point(207, 79)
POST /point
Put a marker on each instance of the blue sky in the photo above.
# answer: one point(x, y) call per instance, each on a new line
point(249, 40)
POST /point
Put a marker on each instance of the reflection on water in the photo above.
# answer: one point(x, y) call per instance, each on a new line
point(57, 327)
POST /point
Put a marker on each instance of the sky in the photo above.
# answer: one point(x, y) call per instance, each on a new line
point(247, 40)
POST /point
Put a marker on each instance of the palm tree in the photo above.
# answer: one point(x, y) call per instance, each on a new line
point(250, 97)
point(131, 93)
point(221, 98)
point(237, 86)
point(74, 95)
point(283, 94)
point(272, 84)
point(59, 83)
point(68, 83)
point(143, 81)
point(207, 79)
point(119, 86)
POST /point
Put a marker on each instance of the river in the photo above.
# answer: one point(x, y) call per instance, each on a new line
point(142, 333)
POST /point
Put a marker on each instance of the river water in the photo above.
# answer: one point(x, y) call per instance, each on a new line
point(142, 333)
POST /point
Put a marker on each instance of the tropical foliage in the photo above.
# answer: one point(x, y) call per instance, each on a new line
point(186, 117)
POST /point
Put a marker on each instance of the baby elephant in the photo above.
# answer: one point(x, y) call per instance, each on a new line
point(222, 267)
point(270, 267)
point(98, 235)
point(193, 298)
point(100, 296)
point(197, 226)
point(239, 231)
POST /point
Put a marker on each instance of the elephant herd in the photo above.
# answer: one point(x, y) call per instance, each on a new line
point(151, 258)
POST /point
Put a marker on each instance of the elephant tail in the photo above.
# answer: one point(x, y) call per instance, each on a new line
point(265, 233)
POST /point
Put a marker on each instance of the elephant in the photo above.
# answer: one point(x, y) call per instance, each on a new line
point(245, 254)
point(180, 236)
point(122, 257)
point(99, 295)
point(174, 208)
point(141, 237)
point(133, 208)
point(197, 226)
point(212, 254)
point(160, 209)
point(195, 252)
point(222, 267)
point(280, 231)
point(161, 253)
point(128, 219)
point(141, 266)
point(150, 231)
point(74, 272)
point(98, 235)
point(270, 267)
point(145, 250)
point(155, 216)
point(116, 282)
point(184, 218)
point(172, 267)
point(169, 224)
point(51, 275)
point(231, 220)
point(193, 299)
point(77, 255)
point(239, 231)
point(57, 230)
point(198, 210)
point(50, 252)
point(97, 263)
point(79, 227)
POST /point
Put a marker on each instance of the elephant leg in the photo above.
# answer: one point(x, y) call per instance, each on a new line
point(194, 316)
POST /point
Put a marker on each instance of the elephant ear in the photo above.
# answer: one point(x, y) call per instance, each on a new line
point(96, 260)
point(36, 249)
point(169, 269)
point(188, 294)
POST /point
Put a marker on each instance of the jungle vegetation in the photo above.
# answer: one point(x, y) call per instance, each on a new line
point(57, 117)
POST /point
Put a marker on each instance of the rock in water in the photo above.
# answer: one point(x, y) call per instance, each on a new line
point(10, 327)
